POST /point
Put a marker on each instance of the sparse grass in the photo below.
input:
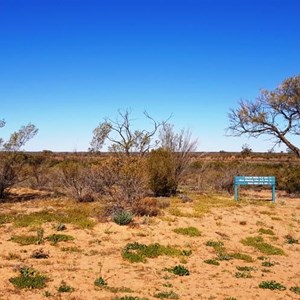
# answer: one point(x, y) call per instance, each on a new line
point(56, 238)
point(266, 231)
point(242, 256)
point(259, 244)
point(218, 246)
point(13, 256)
point(190, 231)
point(24, 240)
point(212, 262)
point(71, 249)
point(77, 216)
point(166, 295)
point(272, 285)
point(29, 278)
point(129, 298)
point(136, 252)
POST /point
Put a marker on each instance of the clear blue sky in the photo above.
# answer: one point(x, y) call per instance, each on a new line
point(65, 65)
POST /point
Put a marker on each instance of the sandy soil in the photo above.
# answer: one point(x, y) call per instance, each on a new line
point(101, 249)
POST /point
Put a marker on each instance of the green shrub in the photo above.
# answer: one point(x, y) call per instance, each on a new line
point(122, 217)
point(65, 288)
point(295, 289)
point(272, 285)
point(161, 169)
point(100, 282)
point(190, 231)
point(290, 240)
point(29, 278)
point(179, 270)
point(244, 274)
point(245, 268)
point(241, 256)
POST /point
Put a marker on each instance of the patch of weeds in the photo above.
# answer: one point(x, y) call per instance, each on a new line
point(39, 254)
point(259, 244)
point(266, 231)
point(64, 288)
point(122, 289)
point(276, 219)
point(71, 249)
point(190, 231)
point(29, 278)
point(6, 219)
point(295, 289)
point(168, 285)
point(290, 240)
point(175, 211)
point(245, 268)
point(186, 252)
point(272, 285)
point(230, 298)
point(244, 274)
point(122, 217)
point(166, 295)
point(77, 216)
point(100, 282)
point(216, 245)
point(136, 252)
point(212, 262)
point(268, 213)
point(56, 238)
point(179, 270)
point(241, 256)
point(266, 271)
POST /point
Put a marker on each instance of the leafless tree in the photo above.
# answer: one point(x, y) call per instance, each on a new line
point(122, 137)
point(274, 113)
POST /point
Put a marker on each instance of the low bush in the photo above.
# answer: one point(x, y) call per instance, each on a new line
point(122, 217)
point(272, 285)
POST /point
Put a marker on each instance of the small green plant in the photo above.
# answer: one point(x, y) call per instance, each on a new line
point(214, 244)
point(259, 244)
point(266, 231)
point(100, 282)
point(179, 270)
point(64, 288)
point(122, 217)
point(47, 294)
point(56, 238)
point(166, 295)
point(230, 298)
point(290, 240)
point(223, 256)
point(295, 289)
point(244, 274)
point(268, 264)
point(190, 231)
point(272, 285)
point(212, 262)
point(29, 278)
